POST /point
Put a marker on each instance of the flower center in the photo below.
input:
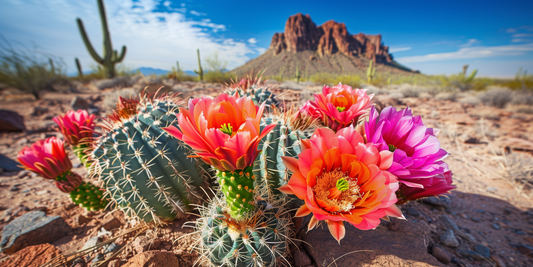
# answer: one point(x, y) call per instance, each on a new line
point(392, 148)
point(227, 128)
point(341, 109)
point(337, 189)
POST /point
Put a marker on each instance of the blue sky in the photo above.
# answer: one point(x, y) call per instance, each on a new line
point(435, 37)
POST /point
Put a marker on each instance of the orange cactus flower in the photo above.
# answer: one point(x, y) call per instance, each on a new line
point(224, 131)
point(338, 106)
point(341, 178)
point(76, 126)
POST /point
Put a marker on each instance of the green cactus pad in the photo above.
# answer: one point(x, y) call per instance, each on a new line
point(89, 196)
point(146, 171)
point(262, 240)
point(79, 150)
point(238, 189)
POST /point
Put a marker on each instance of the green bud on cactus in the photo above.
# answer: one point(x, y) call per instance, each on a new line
point(238, 189)
point(147, 172)
point(89, 196)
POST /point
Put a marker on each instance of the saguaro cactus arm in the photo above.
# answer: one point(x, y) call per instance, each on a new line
point(87, 42)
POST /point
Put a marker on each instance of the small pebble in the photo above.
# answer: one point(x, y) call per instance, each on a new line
point(482, 250)
point(475, 219)
point(448, 239)
point(495, 226)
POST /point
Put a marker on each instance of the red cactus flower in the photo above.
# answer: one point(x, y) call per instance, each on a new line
point(224, 131)
point(342, 179)
point(339, 106)
point(437, 185)
point(76, 126)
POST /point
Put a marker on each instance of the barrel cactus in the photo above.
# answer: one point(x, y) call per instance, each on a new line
point(260, 240)
point(282, 141)
point(146, 172)
point(255, 89)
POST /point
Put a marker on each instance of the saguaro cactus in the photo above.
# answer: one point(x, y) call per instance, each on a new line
point(110, 57)
point(298, 74)
point(200, 71)
point(370, 72)
point(78, 66)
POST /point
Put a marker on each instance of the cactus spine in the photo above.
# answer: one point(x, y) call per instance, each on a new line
point(147, 172)
point(370, 72)
point(78, 66)
point(110, 56)
point(200, 71)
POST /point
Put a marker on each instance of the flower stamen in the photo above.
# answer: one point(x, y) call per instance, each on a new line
point(226, 128)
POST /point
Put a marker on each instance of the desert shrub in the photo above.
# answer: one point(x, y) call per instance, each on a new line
point(496, 96)
point(522, 97)
point(28, 70)
point(451, 96)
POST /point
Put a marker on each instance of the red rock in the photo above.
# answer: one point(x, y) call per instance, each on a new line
point(11, 121)
point(301, 33)
point(153, 259)
point(32, 256)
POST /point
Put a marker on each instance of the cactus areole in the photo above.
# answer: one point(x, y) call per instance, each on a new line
point(238, 188)
point(110, 56)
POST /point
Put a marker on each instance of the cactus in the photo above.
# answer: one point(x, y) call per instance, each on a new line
point(89, 196)
point(110, 56)
point(147, 172)
point(239, 190)
point(78, 66)
point(254, 88)
point(370, 72)
point(200, 71)
point(298, 74)
point(260, 240)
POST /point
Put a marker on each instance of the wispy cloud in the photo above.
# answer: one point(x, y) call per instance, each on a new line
point(472, 52)
point(521, 28)
point(196, 13)
point(399, 49)
point(252, 40)
point(154, 37)
point(522, 35)
point(470, 42)
point(521, 40)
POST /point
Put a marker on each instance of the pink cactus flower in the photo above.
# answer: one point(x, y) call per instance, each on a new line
point(339, 106)
point(341, 178)
point(76, 126)
point(224, 131)
point(49, 159)
point(418, 157)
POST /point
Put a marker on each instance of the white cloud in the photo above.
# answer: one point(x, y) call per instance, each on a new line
point(472, 52)
point(196, 13)
point(153, 38)
point(524, 28)
point(252, 40)
point(470, 43)
point(521, 35)
point(399, 49)
point(520, 40)
point(261, 50)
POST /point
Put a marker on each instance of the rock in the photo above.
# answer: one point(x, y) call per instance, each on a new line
point(526, 250)
point(38, 111)
point(32, 228)
point(10, 121)
point(499, 262)
point(110, 222)
point(482, 250)
point(413, 212)
point(114, 263)
point(80, 220)
point(301, 33)
point(394, 225)
point(400, 248)
point(90, 243)
point(441, 254)
point(141, 244)
point(301, 258)
point(450, 225)
point(111, 83)
point(496, 226)
point(78, 103)
point(153, 259)
point(470, 254)
point(438, 201)
point(474, 219)
point(32, 256)
point(448, 239)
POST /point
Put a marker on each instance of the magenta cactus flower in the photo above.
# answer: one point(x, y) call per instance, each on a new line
point(418, 157)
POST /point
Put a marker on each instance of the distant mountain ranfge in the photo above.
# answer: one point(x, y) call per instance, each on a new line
point(328, 48)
